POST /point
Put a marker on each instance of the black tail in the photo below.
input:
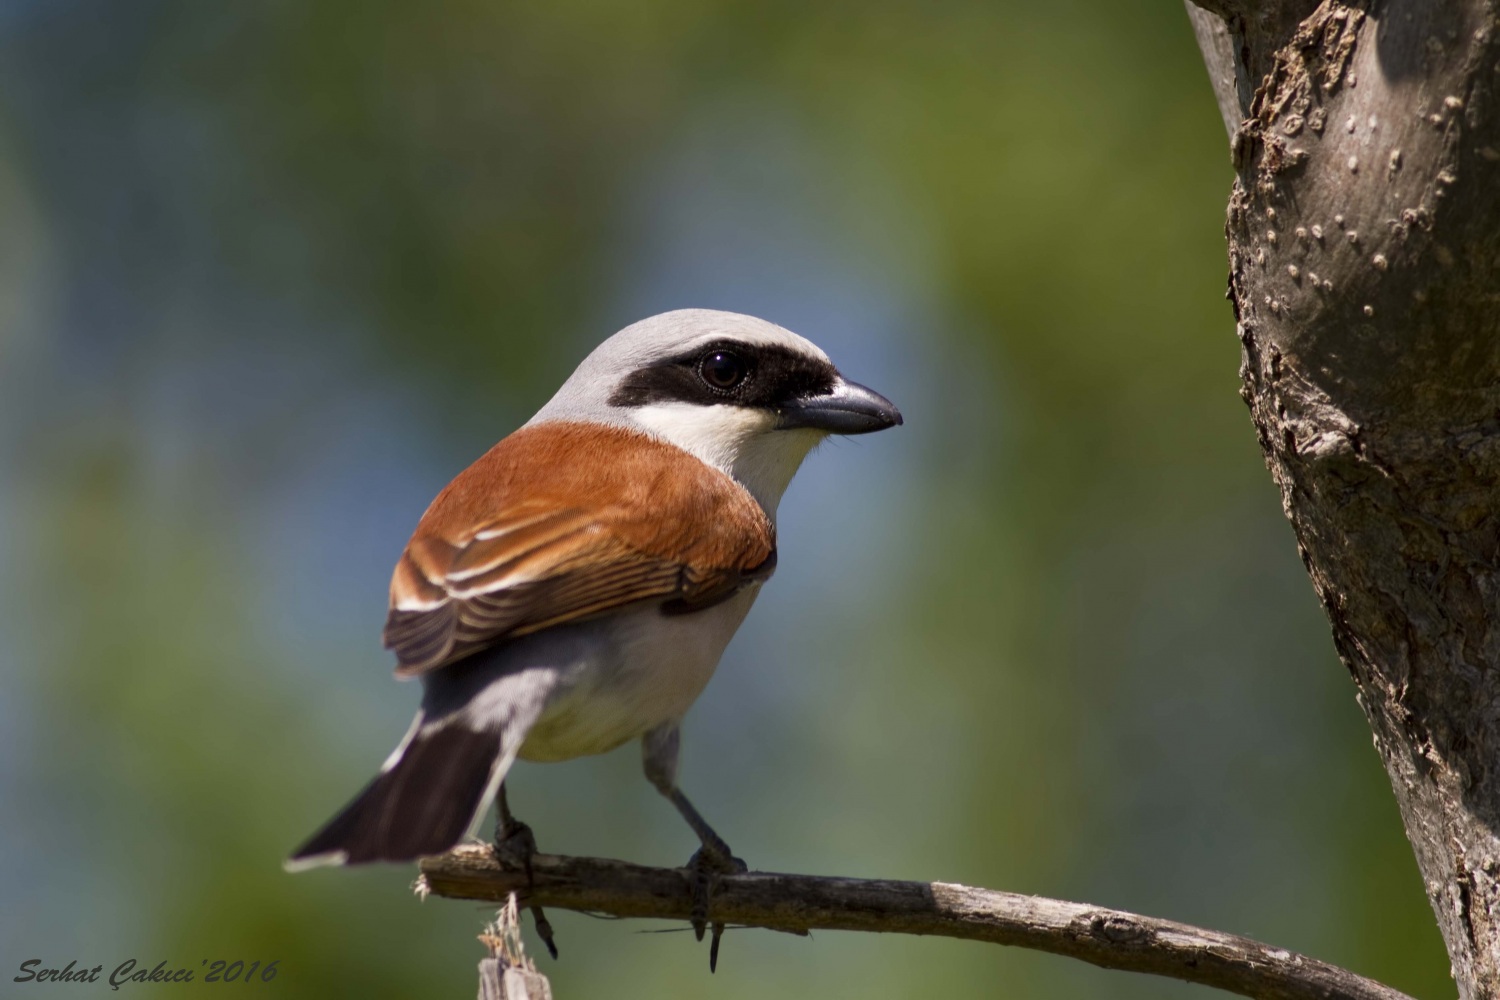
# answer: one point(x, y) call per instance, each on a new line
point(422, 802)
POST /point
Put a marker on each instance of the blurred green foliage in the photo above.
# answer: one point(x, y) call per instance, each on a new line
point(271, 273)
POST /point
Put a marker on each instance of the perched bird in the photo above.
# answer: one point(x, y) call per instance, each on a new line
point(575, 587)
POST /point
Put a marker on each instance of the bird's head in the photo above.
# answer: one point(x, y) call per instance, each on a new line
point(742, 394)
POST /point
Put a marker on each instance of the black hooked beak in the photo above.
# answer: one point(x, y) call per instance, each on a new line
point(848, 408)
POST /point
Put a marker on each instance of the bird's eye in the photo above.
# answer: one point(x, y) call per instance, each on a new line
point(723, 370)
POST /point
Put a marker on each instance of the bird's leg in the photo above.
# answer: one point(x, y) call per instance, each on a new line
point(707, 863)
point(515, 845)
point(714, 858)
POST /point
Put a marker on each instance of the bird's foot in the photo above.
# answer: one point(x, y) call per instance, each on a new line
point(544, 930)
point(704, 868)
point(515, 846)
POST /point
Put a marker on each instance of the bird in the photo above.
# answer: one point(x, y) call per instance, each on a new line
point(575, 587)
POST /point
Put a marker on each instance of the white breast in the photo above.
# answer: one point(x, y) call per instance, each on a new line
point(650, 669)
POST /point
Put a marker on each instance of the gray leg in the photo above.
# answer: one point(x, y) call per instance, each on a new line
point(514, 842)
point(659, 755)
point(514, 847)
point(502, 805)
point(659, 750)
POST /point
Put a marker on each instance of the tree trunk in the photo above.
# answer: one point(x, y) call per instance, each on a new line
point(1364, 267)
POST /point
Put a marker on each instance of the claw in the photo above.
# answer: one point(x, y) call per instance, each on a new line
point(544, 930)
point(515, 845)
point(704, 867)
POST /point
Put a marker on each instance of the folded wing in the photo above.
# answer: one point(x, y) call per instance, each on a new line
point(560, 522)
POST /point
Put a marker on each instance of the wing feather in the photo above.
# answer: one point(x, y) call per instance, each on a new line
point(530, 537)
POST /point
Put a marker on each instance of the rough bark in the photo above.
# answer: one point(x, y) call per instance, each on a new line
point(1364, 254)
point(1113, 939)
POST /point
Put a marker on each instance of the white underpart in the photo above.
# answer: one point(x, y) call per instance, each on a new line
point(643, 669)
point(740, 441)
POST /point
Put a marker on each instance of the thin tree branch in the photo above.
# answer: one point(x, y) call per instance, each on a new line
point(1112, 939)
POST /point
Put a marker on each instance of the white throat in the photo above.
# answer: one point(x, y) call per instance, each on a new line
point(740, 441)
